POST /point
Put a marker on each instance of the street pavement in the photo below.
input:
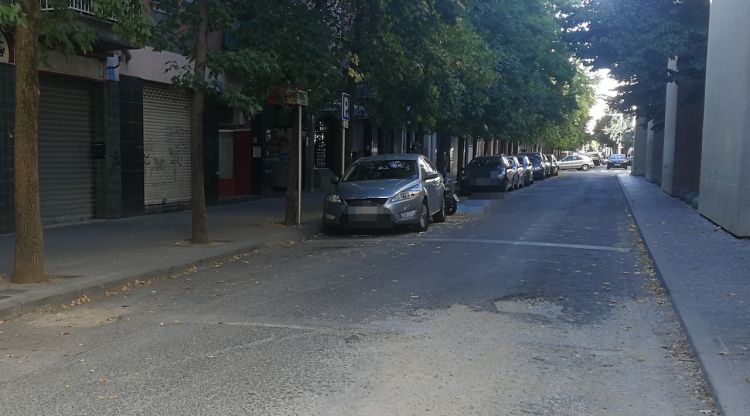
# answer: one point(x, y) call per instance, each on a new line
point(87, 259)
point(706, 271)
point(546, 304)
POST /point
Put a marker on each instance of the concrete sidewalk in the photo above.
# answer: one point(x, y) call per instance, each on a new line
point(90, 258)
point(707, 274)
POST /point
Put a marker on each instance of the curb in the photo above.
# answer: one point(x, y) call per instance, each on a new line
point(688, 335)
point(95, 287)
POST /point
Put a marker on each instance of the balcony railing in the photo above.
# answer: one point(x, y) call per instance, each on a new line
point(80, 6)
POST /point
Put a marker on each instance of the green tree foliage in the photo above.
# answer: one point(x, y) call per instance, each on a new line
point(634, 39)
point(415, 64)
point(483, 68)
point(178, 32)
point(465, 75)
point(62, 30)
point(534, 67)
point(571, 132)
point(296, 41)
point(612, 130)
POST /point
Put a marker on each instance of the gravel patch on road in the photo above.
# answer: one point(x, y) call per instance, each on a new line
point(525, 360)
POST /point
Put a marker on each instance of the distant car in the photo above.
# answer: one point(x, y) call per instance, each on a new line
point(386, 191)
point(541, 168)
point(595, 157)
point(487, 173)
point(617, 161)
point(547, 166)
point(528, 177)
point(520, 172)
point(580, 162)
point(555, 169)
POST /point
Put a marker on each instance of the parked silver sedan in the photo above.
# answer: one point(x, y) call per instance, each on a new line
point(386, 191)
point(580, 162)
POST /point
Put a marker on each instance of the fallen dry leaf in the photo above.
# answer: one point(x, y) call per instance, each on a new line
point(80, 301)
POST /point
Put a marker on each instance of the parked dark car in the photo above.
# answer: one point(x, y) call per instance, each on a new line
point(520, 171)
point(617, 161)
point(538, 161)
point(487, 173)
point(555, 167)
point(528, 174)
point(386, 191)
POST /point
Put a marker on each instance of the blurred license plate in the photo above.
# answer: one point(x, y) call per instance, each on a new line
point(364, 214)
point(363, 210)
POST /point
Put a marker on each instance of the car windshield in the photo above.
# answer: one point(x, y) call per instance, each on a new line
point(382, 169)
point(617, 156)
point(484, 162)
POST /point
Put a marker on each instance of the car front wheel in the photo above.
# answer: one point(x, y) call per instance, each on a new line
point(440, 215)
point(424, 218)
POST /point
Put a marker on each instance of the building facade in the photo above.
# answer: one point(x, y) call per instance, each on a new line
point(702, 154)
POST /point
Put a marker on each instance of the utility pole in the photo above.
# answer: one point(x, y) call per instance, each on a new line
point(299, 165)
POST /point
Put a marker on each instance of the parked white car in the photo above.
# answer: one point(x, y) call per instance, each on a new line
point(580, 162)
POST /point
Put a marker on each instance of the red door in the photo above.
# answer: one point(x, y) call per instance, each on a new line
point(242, 162)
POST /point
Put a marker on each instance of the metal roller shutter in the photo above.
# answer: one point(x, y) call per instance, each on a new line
point(166, 145)
point(66, 169)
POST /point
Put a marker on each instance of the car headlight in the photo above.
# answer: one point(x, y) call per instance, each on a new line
point(406, 195)
point(334, 199)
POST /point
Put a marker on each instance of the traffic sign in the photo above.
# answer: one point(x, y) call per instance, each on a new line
point(346, 107)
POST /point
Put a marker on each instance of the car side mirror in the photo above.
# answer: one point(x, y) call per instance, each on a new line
point(335, 180)
point(431, 176)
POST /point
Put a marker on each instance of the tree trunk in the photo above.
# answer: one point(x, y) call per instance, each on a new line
point(28, 265)
point(292, 194)
point(200, 229)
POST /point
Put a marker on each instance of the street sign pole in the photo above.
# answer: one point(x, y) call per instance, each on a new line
point(345, 117)
point(343, 149)
point(298, 99)
point(299, 166)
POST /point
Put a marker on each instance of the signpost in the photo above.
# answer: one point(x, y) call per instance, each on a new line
point(300, 99)
point(346, 115)
point(299, 164)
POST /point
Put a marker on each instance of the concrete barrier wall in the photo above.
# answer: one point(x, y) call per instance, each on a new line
point(724, 178)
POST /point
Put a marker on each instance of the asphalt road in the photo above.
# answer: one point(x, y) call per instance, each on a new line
point(546, 305)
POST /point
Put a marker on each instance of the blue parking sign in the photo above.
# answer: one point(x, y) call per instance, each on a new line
point(346, 107)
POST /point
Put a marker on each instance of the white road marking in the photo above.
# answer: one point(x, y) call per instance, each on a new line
point(526, 243)
point(481, 241)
